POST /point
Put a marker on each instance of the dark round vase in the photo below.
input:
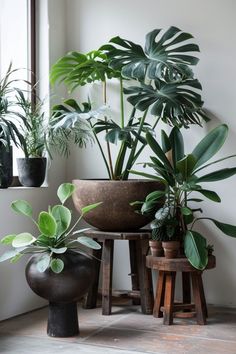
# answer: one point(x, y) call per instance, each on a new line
point(6, 173)
point(62, 290)
point(31, 171)
point(115, 213)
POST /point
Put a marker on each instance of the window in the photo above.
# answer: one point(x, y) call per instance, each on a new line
point(17, 43)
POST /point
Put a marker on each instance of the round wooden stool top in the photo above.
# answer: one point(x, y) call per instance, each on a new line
point(142, 234)
point(176, 264)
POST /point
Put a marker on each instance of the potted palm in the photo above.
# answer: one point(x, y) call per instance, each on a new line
point(157, 79)
point(9, 132)
point(59, 270)
point(32, 126)
point(183, 175)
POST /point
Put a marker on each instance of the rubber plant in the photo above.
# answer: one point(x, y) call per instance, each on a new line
point(183, 175)
point(157, 79)
point(55, 233)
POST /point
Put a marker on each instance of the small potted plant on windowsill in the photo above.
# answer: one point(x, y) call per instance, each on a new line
point(59, 270)
point(31, 167)
point(159, 85)
point(180, 174)
point(9, 133)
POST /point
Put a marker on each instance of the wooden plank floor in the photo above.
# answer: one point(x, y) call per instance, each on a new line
point(126, 331)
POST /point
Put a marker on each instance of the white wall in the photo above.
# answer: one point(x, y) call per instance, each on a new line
point(15, 295)
point(92, 23)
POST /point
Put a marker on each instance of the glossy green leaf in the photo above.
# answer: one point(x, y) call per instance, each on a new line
point(58, 250)
point(57, 265)
point(23, 239)
point(90, 207)
point(88, 242)
point(64, 191)
point(228, 229)
point(195, 248)
point(210, 195)
point(177, 144)
point(210, 145)
point(8, 255)
point(186, 166)
point(165, 142)
point(218, 175)
point(158, 151)
point(22, 207)
point(47, 224)
point(7, 240)
point(43, 263)
point(62, 216)
point(186, 211)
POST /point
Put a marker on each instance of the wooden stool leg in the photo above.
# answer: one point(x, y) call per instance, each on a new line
point(160, 293)
point(201, 288)
point(196, 283)
point(91, 298)
point(134, 269)
point(107, 267)
point(169, 298)
point(186, 287)
point(145, 277)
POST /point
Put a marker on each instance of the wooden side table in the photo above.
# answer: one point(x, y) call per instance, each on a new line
point(142, 291)
point(164, 305)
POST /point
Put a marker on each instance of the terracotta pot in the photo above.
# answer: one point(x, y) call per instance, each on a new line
point(156, 248)
point(115, 213)
point(171, 249)
point(62, 290)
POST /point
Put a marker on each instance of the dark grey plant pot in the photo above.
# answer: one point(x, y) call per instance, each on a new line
point(31, 171)
point(62, 290)
point(6, 173)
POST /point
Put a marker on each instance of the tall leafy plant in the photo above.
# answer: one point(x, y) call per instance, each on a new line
point(183, 175)
point(157, 79)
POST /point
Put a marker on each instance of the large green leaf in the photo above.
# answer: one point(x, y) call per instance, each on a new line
point(210, 195)
point(88, 242)
point(228, 229)
point(62, 215)
point(186, 165)
point(158, 151)
point(64, 191)
point(218, 175)
point(177, 103)
point(195, 248)
point(23, 239)
point(43, 263)
point(47, 224)
point(22, 207)
point(164, 51)
point(210, 145)
point(177, 144)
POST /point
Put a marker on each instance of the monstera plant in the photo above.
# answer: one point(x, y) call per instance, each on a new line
point(184, 179)
point(156, 81)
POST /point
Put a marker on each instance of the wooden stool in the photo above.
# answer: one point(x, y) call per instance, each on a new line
point(141, 279)
point(164, 300)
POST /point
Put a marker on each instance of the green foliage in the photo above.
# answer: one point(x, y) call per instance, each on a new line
point(56, 233)
point(176, 219)
point(163, 84)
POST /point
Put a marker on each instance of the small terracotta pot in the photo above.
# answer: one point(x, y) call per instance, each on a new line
point(156, 248)
point(171, 249)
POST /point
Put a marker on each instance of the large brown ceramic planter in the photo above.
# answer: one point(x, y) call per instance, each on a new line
point(115, 213)
point(62, 290)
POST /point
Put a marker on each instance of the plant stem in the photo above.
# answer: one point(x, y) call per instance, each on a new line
point(132, 153)
point(101, 150)
point(111, 175)
point(122, 104)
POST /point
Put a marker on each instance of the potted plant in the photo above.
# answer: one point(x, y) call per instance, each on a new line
point(59, 269)
point(165, 88)
point(9, 132)
point(182, 175)
point(31, 167)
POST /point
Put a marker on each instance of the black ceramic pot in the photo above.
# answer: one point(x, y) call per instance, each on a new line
point(31, 171)
point(62, 290)
point(6, 174)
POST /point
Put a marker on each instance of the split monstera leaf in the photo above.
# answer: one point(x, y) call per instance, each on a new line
point(55, 233)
